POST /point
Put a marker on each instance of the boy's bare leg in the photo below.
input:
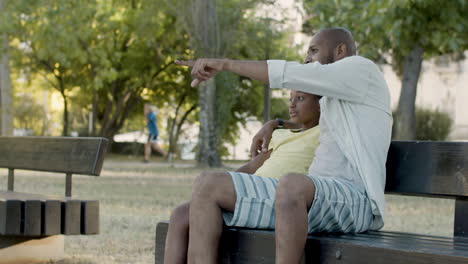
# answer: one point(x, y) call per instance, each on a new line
point(212, 191)
point(177, 237)
point(294, 195)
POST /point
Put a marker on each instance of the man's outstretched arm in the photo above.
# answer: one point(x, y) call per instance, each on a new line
point(204, 69)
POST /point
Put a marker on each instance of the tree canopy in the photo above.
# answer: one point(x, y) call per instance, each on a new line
point(107, 58)
point(401, 33)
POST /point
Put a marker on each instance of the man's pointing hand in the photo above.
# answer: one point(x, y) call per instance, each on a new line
point(204, 69)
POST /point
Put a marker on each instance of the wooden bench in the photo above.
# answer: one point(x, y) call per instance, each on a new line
point(26, 216)
point(428, 169)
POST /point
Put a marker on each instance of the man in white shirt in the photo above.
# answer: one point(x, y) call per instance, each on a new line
point(344, 189)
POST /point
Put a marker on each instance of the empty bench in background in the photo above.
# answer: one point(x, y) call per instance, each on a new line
point(428, 169)
point(31, 225)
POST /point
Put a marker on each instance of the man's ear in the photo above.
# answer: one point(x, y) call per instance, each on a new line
point(340, 51)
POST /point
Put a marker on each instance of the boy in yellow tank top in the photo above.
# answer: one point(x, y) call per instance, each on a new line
point(291, 151)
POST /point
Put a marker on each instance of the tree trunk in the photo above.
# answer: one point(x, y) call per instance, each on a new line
point(65, 114)
point(405, 125)
point(171, 125)
point(266, 87)
point(207, 139)
point(117, 112)
point(175, 132)
point(206, 34)
point(94, 112)
point(6, 94)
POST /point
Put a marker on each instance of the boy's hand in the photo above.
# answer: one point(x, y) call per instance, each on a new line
point(261, 158)
point(261, 140)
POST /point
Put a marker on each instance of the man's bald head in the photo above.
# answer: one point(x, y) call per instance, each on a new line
point(338, 35)
point(330, 45)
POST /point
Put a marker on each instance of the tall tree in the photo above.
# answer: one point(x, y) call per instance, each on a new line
point(203, 26)
point(407, 31)
point(47, 38)
point(213, 26)
point(6, 95)
point(110, 51)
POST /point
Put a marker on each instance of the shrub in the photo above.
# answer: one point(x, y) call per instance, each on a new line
point(432, 125)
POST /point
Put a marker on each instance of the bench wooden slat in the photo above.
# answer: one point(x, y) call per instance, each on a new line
point(10, 217)
point(26, 214)
point(71, 217)
point(52, 217)
point(84, 155)
point(90, 218)
point(428, 168)
point(32, 218)
point(399, 242)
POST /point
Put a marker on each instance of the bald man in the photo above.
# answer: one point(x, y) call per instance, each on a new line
point(344, 188)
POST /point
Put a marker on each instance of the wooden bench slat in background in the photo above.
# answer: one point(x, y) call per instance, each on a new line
point(417, 168)
point(24, 214)
point(53, 154)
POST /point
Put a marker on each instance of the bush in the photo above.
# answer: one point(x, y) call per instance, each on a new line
point(128, 148)
point(279, 108)
point(432, 125)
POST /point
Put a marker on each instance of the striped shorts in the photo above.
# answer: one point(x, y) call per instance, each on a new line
point(337, 206)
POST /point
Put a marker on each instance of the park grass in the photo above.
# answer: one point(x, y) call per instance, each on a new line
point(135, 196)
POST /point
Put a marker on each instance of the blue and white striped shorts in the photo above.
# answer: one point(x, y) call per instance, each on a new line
point(337, 206)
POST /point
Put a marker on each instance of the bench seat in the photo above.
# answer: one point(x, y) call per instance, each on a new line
point(26, 214)
point(240, 245)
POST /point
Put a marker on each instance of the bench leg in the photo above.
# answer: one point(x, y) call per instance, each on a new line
point(461, 218)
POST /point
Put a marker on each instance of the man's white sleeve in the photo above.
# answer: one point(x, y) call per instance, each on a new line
point(347, 79)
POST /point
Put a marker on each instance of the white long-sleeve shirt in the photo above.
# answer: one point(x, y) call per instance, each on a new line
point(356, 109)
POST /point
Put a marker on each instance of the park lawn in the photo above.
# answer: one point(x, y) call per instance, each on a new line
point(134, 196)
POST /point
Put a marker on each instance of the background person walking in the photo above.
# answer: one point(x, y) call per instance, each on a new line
point(151, 123)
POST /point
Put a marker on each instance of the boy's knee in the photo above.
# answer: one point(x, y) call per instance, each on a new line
point(180, 216)
point(181, 212)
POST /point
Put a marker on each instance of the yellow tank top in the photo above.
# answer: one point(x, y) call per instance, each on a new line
point(292, 152)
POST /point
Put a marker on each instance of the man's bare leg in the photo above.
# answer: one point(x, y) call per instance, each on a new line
point(294, 195)
point(212, 191)
point(177, 237)
point(157, 148)
point(147, 151)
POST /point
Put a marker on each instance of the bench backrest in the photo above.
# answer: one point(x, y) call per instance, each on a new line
point(69, 155)
point(433, 169)
point(428, 168)
point(54, 154)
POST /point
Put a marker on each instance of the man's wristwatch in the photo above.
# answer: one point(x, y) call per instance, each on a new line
point(280, 123)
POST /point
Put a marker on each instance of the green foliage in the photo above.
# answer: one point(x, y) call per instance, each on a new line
point(279, 108)
point(242, 36)
point(432, 125)
point(394, 28)
point(29, 114)
point(118, 54)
